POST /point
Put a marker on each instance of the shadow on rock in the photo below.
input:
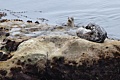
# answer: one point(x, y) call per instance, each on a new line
point(10, 45)
point(61, 69)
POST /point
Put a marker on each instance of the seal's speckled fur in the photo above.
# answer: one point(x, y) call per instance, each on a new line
point(92, 32)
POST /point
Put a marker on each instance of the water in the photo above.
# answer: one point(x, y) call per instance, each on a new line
point(105, 13)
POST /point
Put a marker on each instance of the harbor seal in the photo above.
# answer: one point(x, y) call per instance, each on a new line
point(70, 22)
point(92, 32)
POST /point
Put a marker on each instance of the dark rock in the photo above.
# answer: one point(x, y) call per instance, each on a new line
point(92, 32)
point(103, 70)
point(3, 72)
point(18, 20)
point(2, 14)
point(29, 21)
point(37, 22)
point(10, 45)
point(1, 53)
point(3, 20)
point(4, 33)
point(7, 34)
point(4, 56)
point(19, 75)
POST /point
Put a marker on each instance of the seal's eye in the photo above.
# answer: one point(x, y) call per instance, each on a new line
point(87, 27)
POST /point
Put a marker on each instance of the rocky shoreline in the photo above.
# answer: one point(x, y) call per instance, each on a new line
point(36, 51)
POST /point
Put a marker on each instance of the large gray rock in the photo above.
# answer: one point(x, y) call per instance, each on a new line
point(63, 56)
point(57, 54)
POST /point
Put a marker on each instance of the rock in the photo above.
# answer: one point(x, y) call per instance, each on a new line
point(11, 44)
point(58, 57)
point(92, 32)
point(18, 20)
point(4, 32)
point(4, 56)
point(37, 22)
point(17, 71)
point(2, 14)
point(56, 53)
point(29, 21)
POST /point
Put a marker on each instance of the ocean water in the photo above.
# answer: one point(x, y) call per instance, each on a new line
point(105, 13)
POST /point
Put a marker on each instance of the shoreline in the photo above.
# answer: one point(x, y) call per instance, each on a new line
point(35, 51)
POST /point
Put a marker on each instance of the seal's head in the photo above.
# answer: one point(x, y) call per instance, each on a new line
point(90, 26)
point(70, 22)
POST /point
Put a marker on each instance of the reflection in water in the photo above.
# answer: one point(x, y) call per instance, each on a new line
point(105, 13)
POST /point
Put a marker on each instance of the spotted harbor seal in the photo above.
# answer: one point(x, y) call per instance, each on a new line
point(70, 22)
point(92, 32)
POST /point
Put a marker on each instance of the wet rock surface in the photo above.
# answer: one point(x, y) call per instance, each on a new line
point(35, 51)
